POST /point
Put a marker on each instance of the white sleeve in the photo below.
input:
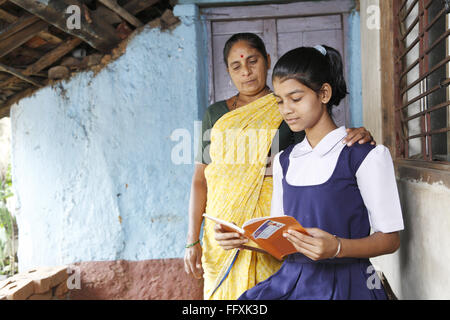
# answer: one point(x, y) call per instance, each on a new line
point(378, 187)
point(276, 207)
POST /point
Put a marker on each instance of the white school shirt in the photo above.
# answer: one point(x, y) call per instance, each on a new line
point(375, 178)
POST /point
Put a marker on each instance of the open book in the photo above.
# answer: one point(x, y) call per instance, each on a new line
point(266, 234)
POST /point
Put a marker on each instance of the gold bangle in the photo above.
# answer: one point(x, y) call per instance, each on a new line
point(192, 244)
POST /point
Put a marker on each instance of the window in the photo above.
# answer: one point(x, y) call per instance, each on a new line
point(422, 81)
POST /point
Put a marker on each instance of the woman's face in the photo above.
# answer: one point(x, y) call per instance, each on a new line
point(300, 106)
point(247, 68)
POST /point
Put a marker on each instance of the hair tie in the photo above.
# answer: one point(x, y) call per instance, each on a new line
point(321, 49)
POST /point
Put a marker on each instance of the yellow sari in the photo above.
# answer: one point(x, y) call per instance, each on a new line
point(238, 191)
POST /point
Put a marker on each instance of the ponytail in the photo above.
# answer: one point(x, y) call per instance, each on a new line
point(336, 76)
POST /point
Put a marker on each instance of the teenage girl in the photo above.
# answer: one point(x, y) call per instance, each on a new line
point(338, 193)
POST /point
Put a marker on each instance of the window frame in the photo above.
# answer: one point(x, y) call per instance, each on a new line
point(421, 41)
point(426, 171)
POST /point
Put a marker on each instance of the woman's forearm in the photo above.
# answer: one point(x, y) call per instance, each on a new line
point(372, 246)
point(197, 204)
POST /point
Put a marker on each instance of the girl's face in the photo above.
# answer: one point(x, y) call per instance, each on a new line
point(300, 106)
point(247, 68)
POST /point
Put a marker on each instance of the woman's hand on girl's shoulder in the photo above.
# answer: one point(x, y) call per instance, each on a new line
point(360, 135)
point(228, 240)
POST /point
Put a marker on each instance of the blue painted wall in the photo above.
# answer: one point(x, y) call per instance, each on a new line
point(354, 71)
point(92, 155)
point(102, 164)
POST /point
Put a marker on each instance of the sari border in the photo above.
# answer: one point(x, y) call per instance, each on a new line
point(248, 105)
point(225, 275)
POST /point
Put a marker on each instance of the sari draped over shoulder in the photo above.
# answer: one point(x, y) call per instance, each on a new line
point(238, 191)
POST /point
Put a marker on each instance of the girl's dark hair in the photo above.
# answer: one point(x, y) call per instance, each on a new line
point(311, 68)
point(253, 41)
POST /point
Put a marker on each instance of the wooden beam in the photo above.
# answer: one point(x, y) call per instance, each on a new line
point(4, 110)
point(301, 9)
point(3, 1)
point(8, 17)
point(15, 27)
point(51, 57)
point(25, 51)
point(18, 74)
point(387, 48)
point(20, 37)
point(112, 4)
point(47, 36)
point(100, 36)
point(6, 106)
point(50, 38)
point(106, 15)
point(136, 6)
point(46, 60)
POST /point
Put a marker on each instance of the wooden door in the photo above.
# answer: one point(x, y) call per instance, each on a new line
point(281, 31)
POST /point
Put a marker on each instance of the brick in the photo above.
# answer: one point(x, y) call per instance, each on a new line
point(60, 289)
point(123, 30)
point(20, 289)
point(42, 280)
point(42, 284)
point(92, 60)
point(156, 23)
point(57, 274)
point(169, 18)
point(58, 72)
point(5, 282)
point(71, 63)
point(62, 297)
point(41, 296)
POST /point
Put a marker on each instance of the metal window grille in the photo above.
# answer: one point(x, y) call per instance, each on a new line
point(422, 115)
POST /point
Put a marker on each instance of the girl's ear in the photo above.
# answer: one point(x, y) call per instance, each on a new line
point(325, 94)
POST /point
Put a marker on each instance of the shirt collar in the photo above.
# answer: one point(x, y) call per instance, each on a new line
point(323, 147)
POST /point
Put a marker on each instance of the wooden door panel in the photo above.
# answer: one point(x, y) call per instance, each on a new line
point(332, 38)
point(279, 35)
point(231, 27)
point(288, 41)
point(309, 24)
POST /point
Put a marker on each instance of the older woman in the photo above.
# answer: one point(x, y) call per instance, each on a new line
point(231, 179)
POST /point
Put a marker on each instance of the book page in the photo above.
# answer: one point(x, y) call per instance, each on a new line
point(230, 225)
point(248, 222)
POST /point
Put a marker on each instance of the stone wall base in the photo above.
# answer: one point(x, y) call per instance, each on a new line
point(162, 279)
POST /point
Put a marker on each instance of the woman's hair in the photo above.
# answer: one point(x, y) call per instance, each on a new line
point(253, 41)
point(312, 68)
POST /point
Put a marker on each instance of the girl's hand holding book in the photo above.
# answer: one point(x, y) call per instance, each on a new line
point(318, 245)
point(228, 240)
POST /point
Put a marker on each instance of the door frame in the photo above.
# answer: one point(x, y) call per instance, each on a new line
point(277, 11)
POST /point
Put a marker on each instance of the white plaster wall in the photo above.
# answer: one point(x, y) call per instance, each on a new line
point(421, 268)
point(370, 71)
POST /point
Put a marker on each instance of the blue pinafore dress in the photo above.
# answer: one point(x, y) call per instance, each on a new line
point(336, 207)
